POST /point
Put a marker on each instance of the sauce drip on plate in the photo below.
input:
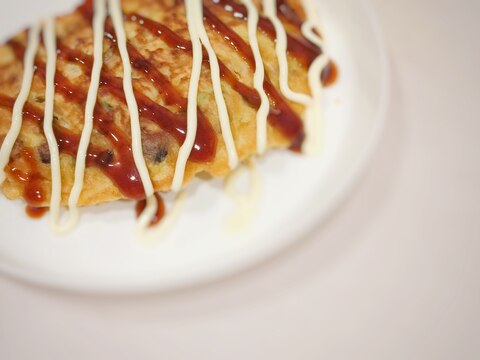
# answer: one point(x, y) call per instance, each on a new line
point(35, 212)
point(159, 214)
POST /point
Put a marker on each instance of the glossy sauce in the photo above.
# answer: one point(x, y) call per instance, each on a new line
point(175, 124)
point(286, 12)
point(63, 85)
point(175, 41)
point(302, 49)
point(25, 170)
point(121, 168)
point(141, 204)
point(204, 148)
point(281, 115)
point(35, 212)
point(117, 163)
point(17, 48)
point(299, 47)
point(27, 173)
point(29, 111)
point(330, 74)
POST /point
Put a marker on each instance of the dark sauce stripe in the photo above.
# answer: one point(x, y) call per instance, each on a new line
point(120, 168)
point(281, 114)
point(205, 145)
point(175, 41)
point(287, 13)
point(299, 47)
point(18, 49)
point(234, 40)
point(74, 56)
point(173, 123)
point(161, 31)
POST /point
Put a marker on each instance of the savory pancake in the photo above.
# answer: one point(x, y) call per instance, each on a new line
point(160, 53)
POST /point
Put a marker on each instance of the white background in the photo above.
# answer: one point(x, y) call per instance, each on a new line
point(394, 274)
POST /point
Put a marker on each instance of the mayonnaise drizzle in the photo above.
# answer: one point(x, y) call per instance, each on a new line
point(49, 39)
point(151, 235)
point(270, 10)
point(151, 206)
point(198, 35)
point(99, 16)
point(310, 24)
point(191, 6)
point(17, 113)
point(258, 77)
point(217, 87)
point(314, 112)
point(246, 202)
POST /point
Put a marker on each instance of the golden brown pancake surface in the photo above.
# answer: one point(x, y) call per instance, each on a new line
point(161, 58)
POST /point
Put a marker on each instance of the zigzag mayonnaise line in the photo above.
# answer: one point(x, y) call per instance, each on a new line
point(310, 23)
point(99, 17)
point(17, 114)
point(217, 88)
point(270, 10)
point(314, 113)
point(246, 203)
point(151, 206)
point(258, 77)
point(151, 235)
point(49, 39)
point(186, 148)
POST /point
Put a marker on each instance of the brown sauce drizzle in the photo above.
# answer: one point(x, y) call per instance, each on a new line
point(118, 163)
point(17, 48)
point(174, 123)
point(330, 74)
point(36, 212)
point(234, 40)
point(29, 112)
point(204, 149)
point(86, 9)
point(281, 115)
point(163, 32)
point(29, 175)
point(141, 204)
point(63, 85)
point(287, 13)
point(175, 41)
point(299, 47)
point(74, 56)
point(161, 83)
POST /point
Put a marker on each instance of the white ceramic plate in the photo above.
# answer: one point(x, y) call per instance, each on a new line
point(103, 254)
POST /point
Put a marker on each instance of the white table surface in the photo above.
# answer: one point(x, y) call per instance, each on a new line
point(394, 274)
